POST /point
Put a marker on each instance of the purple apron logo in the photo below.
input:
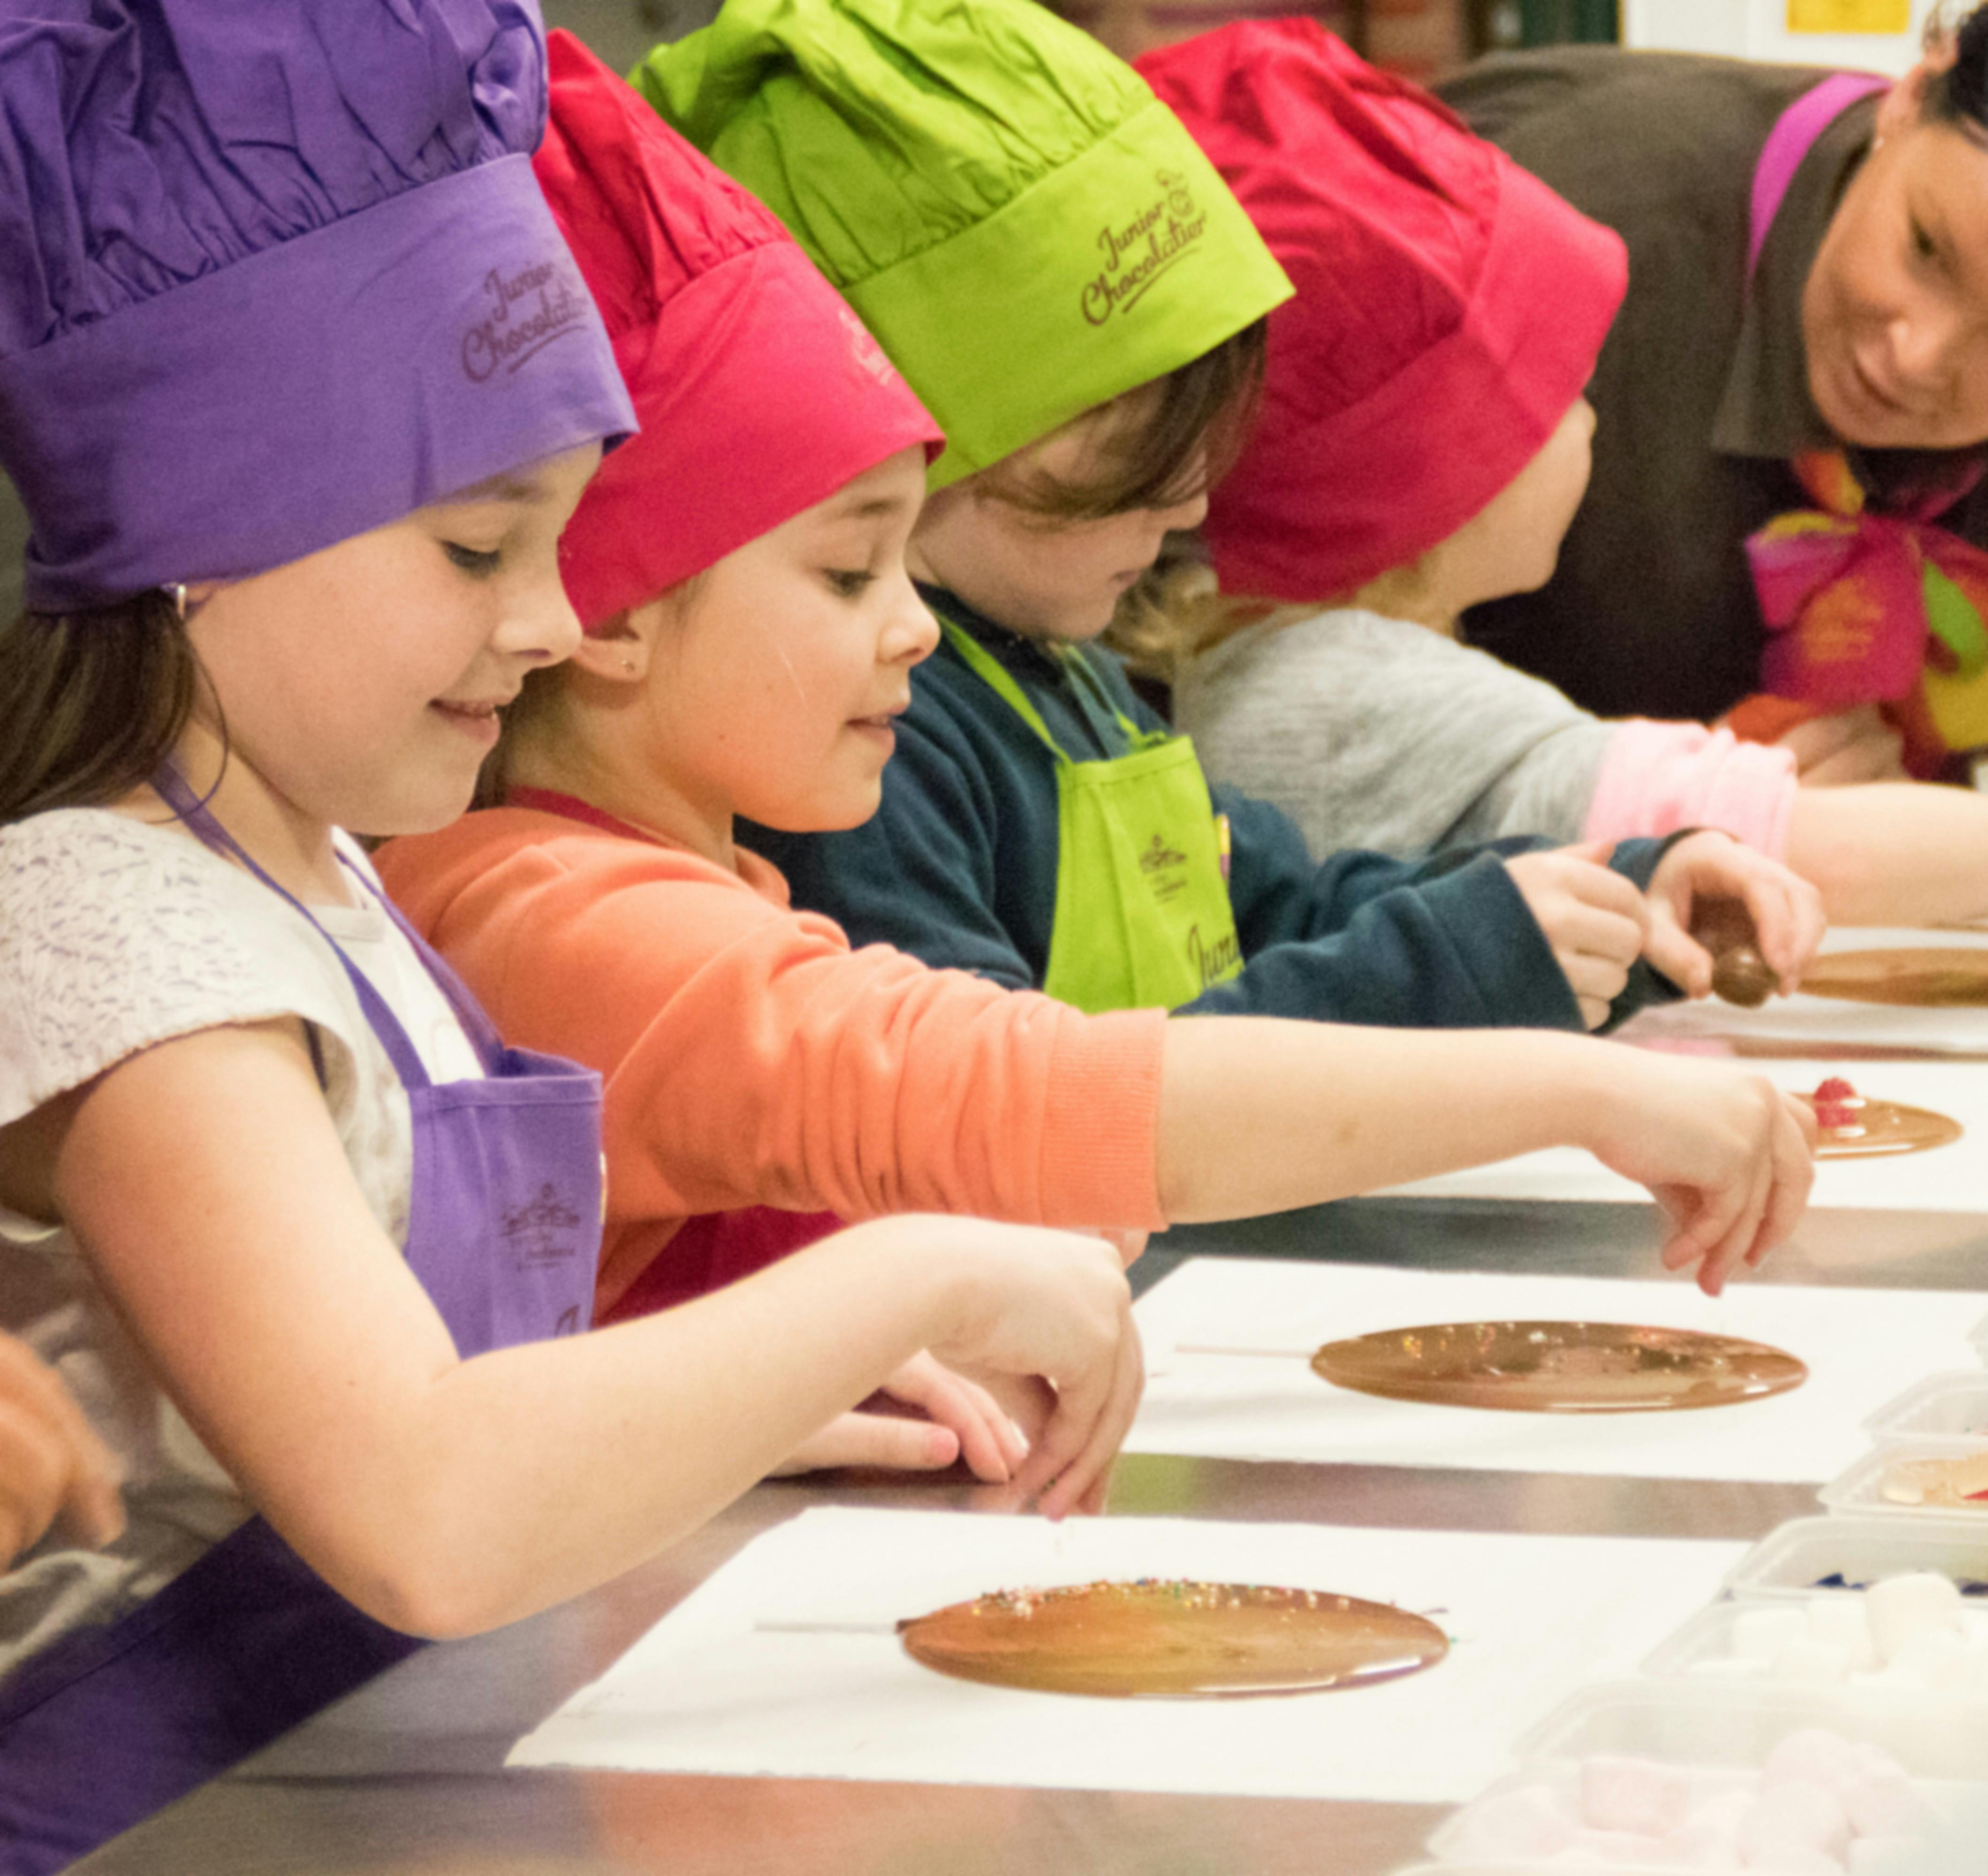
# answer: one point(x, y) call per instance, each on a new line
point(539, 1232)
point(1138, 252)
point(526, 311)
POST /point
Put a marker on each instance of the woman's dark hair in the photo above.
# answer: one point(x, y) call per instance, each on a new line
point(91, 702)
point(1190, 438)
point(1959, 94)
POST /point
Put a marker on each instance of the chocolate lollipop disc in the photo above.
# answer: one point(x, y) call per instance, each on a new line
point(1173, 1639)
point(1922, 977)
point(1559, 1368)
point(1880, 1128)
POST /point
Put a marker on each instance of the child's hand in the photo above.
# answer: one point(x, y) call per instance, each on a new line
point(1596, 921)
point(1710, 892)
point(1727, 1155)
point(52, 1463)
point(1846, 747)
point(1053, 1304)
point(961, 1418)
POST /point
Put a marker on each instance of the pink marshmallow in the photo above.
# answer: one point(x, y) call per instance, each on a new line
point(1637, 1795)
point(1882, 1802)
point(1528, 1822)
point(1813, 1754)
point(1793, 1815)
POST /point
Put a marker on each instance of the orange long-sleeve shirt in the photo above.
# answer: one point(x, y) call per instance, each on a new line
point(752, 1059)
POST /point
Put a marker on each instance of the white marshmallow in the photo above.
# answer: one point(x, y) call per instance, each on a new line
point(1528, 1822)
point(1901, 1608)
point(1842, 1620)
point(1938, 1656)
point(1809, 1663)
point(1760, 1635)
point(1637, 1795)
point(1727, 1668)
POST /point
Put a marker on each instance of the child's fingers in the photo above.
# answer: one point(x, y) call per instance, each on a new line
point(990, 1443)
point(52, 1462)
point(1106, 1433)
point(1793, 1176)
point(882, 1441)
point(1679, 956)
point(34, 1475)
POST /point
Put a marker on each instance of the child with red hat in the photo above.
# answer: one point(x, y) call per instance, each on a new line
point(1421, 446)
point(739, 569)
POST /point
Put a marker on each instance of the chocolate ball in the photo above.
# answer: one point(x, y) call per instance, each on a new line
point(1741, 976)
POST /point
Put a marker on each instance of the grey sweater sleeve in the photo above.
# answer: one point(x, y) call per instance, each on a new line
point(1374, 732)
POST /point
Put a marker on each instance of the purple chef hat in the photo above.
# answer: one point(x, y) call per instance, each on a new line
point(273, 274)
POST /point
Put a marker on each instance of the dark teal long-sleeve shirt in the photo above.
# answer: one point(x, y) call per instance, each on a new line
point(958, 868)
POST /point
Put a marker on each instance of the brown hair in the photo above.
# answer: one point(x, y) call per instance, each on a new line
point(93, 703)
point(1959, 94)
point(1190, 438)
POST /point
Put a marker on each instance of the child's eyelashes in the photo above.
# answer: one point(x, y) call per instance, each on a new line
point(476, 560)
point(849, 583)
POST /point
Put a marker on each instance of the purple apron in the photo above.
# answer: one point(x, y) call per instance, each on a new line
point(101, 1729)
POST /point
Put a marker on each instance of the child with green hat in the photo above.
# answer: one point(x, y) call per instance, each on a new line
point(1067, 284)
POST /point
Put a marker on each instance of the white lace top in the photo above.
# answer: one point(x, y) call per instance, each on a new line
point(115, 936)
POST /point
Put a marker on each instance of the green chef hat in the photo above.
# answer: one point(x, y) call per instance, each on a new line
point(1025, 228)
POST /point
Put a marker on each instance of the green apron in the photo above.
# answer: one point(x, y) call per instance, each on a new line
point(1142, 913)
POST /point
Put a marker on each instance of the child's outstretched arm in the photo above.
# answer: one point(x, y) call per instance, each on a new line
point(208, 1186)
point(1260, 1115)
point(1893, 853)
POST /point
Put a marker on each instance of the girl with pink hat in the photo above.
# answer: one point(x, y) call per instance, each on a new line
point(739, 568)
point(298, 384)
point(1421, 446)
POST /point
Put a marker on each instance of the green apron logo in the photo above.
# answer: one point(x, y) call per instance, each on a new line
point(1138, 253)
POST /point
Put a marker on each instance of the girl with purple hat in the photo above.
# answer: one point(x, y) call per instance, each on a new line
point(300, 385)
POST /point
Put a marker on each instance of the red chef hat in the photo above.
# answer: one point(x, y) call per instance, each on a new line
point(759, 392)
point(1450, 307)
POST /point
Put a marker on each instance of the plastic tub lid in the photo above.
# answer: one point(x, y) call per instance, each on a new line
point(1792, 1559)
point(1943, 1407)
point(1860, 1490)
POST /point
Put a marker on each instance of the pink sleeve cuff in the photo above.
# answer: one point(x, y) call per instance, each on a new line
point(1658, 777)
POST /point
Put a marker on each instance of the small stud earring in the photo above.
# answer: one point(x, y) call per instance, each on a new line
point(628, 665)
point(175, 591)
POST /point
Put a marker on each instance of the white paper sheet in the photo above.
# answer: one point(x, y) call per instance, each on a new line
point(1799, 1018)
point(1949, 1178)
point(1862, 1347)
point(708, 1690)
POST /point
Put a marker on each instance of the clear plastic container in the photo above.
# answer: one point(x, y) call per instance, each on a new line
point(1790, 1561)
point(1859, 1492)
point(1702, 1651)
point(1722, 1736)
point(1943, 1407)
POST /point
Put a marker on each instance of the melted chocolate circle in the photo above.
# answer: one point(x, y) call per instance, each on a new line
point(1919, 977)
point(1173, 1639)
point(1880, 1128)
point(1544, 1368)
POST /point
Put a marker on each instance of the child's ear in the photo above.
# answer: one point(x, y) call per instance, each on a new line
point(617, 650)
